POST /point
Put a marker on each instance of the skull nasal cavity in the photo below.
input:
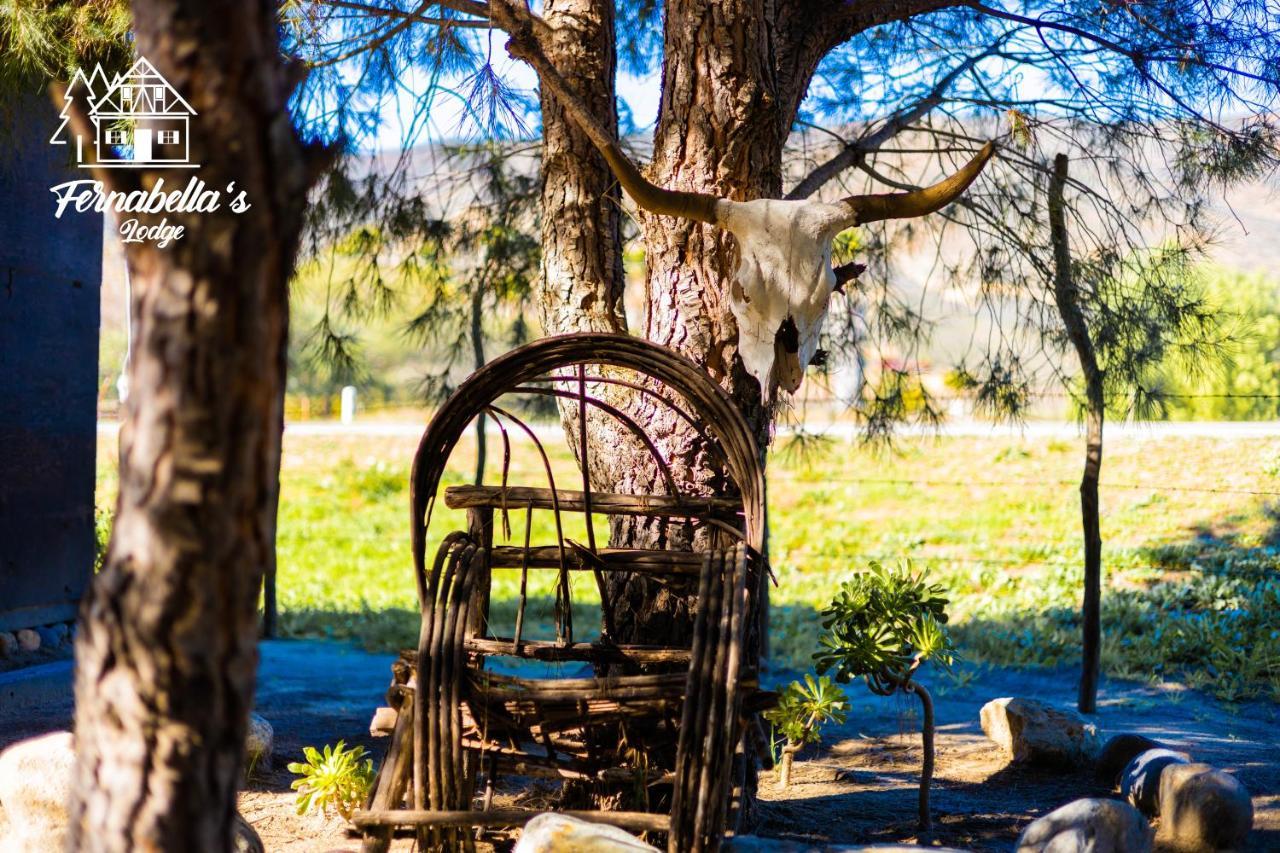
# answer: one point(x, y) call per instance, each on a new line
point(788, 335)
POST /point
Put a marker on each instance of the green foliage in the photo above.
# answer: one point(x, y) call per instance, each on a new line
point(1181, 568)
point(48, 41)
point(102, 521)
point(1246, 385)
point(805, 706)
point(882, 625)
point(337, 779)
point(393, 279)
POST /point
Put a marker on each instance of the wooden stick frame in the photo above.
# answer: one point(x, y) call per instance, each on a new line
point(457, 722)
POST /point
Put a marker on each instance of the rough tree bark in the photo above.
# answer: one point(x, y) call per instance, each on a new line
point(166, 647)
point(1067, 296)
point(734, 74)
point(582, 280)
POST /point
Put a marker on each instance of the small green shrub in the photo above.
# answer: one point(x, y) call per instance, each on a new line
point(336, 780)
point(881, 626)
point(803, 708)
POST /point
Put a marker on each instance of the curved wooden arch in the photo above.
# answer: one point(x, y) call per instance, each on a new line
point(710, 403)
point(730, 581)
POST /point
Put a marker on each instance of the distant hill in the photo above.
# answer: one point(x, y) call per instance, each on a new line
point(1248, 239)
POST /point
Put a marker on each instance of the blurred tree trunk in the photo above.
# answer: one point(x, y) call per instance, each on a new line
point(1067, 296)
point(167, 643)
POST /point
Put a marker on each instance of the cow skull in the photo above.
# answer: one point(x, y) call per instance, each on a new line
point(783, 281)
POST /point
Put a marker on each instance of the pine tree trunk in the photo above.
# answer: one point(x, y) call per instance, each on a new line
point(734, 72)
point(166, 647)
point(1067, 296)
point(582, 281)
point(719, 130)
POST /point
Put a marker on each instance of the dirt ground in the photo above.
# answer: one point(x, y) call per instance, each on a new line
point(861, 784)
point(858, 786)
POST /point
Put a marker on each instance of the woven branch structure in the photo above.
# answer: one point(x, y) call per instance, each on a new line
point(458, 723)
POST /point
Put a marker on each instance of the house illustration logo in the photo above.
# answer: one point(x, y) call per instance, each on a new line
point(138, 120)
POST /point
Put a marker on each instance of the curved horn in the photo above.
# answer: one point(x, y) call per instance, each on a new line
point(655, 199)
point(874, 208)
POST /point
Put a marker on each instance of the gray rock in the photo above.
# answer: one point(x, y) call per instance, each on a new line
point(1140, 782)
point(1202, 808)
point(245, 838)
point(1088, 826)
point(258, 743)
point(8, 644)
point(28, 640)
point(557, 833)
point(1118, 751)
point(48, 636)
point(1031, 731)
point(35, 787)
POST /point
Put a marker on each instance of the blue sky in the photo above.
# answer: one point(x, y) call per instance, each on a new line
point(640, 94)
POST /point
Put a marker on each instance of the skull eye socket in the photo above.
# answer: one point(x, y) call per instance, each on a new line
point(788, 336)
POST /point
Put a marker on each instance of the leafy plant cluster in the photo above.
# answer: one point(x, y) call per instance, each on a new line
point(882, 625)
point(335, 780)
point(805, 706)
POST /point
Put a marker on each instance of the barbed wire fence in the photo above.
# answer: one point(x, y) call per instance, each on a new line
point(817, 481)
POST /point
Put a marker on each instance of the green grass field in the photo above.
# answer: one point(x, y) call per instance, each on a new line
point(1191, 594)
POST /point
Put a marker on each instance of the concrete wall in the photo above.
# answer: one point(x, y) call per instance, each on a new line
point(50, 280)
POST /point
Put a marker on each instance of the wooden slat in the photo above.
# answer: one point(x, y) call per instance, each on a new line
point(602, 503)
point(560, 690)
point(634, 821)
point(551, 651)
point(638, 560)
point(524, 763)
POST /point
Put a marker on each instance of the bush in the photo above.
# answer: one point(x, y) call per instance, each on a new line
point(881, 627)
point(1246, 387)
point(802, 710)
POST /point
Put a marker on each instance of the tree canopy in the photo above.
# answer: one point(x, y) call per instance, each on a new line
point(1160, 105)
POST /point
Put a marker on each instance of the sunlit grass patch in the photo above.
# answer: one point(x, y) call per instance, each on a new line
point(1192, 592)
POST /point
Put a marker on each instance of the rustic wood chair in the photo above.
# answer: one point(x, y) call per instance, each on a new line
point(459, 726)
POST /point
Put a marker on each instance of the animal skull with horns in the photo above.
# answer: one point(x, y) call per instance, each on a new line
point(783, 281)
